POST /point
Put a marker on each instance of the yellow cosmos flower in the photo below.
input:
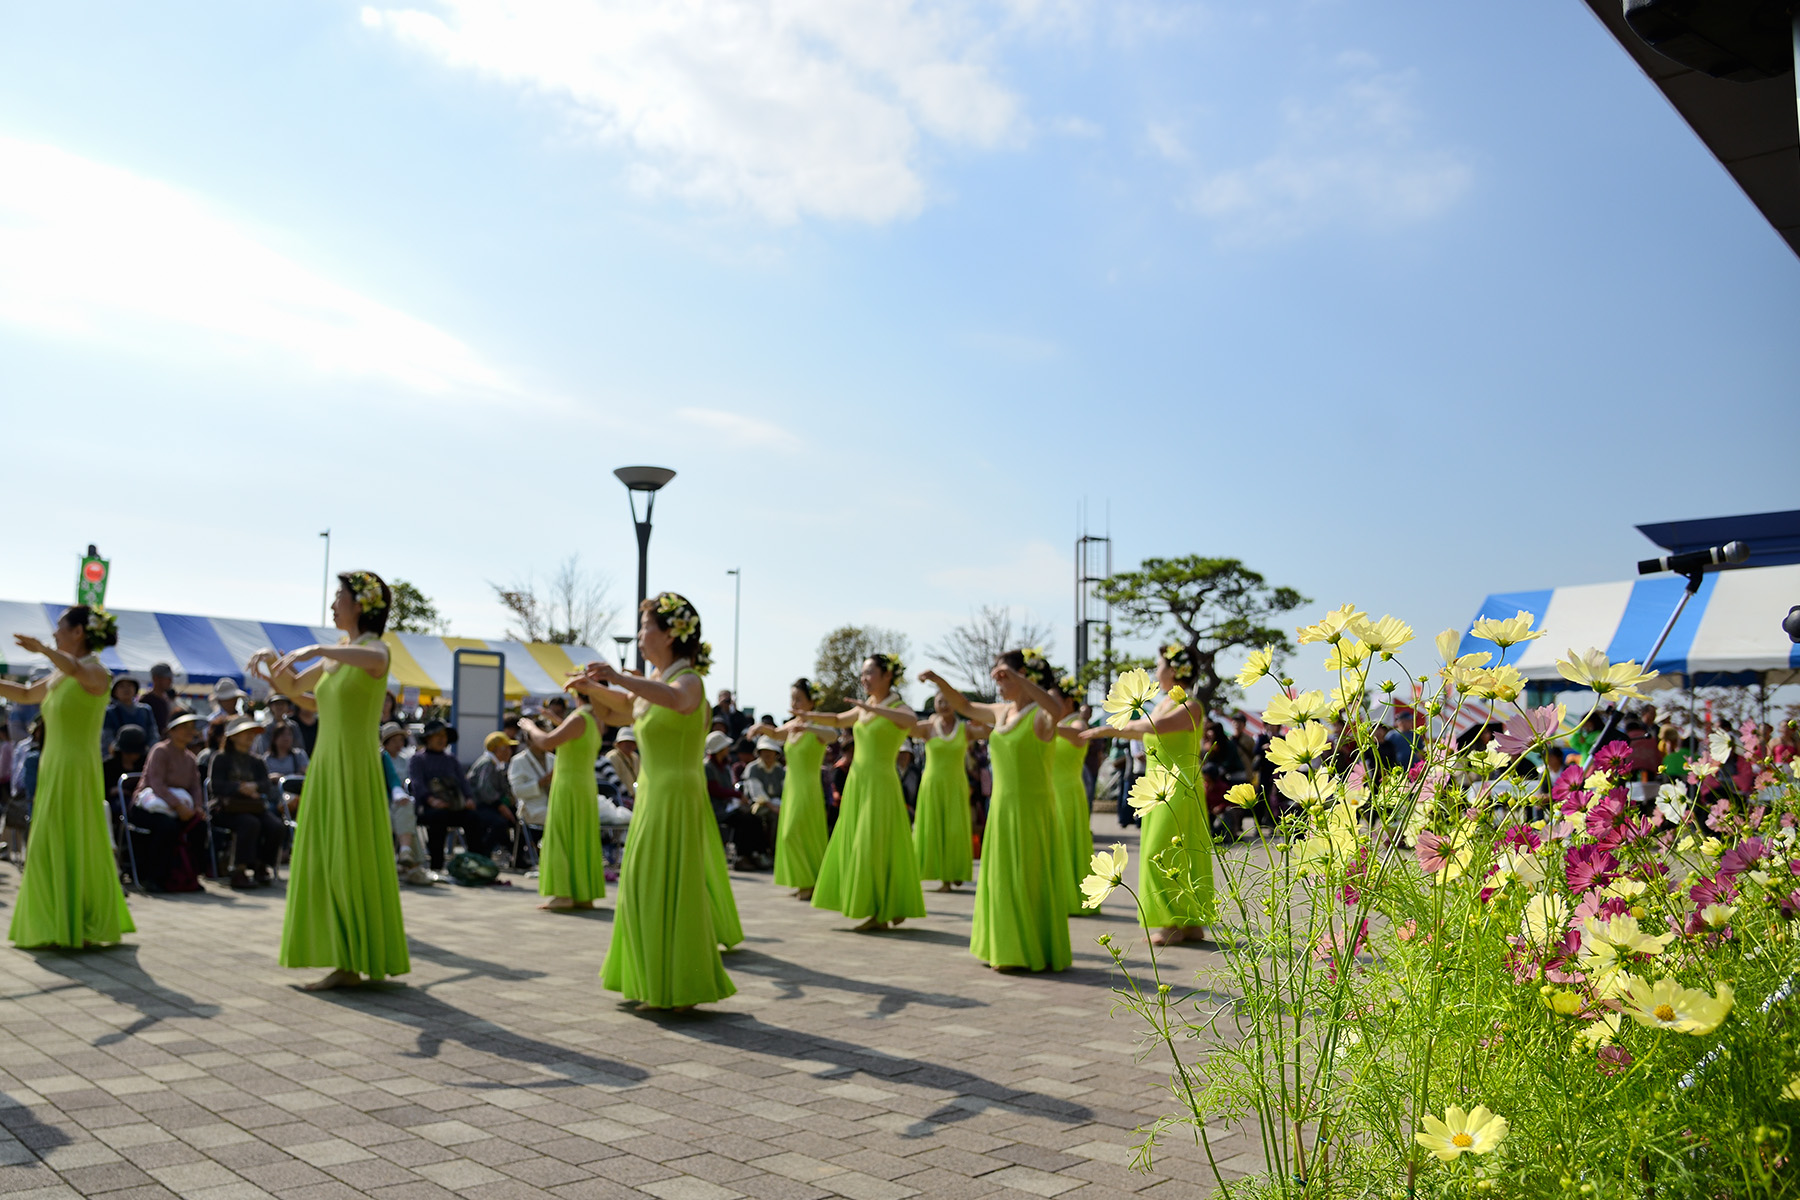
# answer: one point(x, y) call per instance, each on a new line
point(1509, 631)
point(1668, 1005)
point(1447, 642)
point(1242, 795)
point(1592, 670)
point(1306, 790)
point(1332, 627)
point(1303, 745)
point(1129, 697)
point(1108, 867)
point(1460, 1133)
point(1346, 654)
point(1256, 666)
point(1718, 915)
point(1546, 918)
point(1623, 936)
point(1792, 1090)
point(1178, 694)
point(1389, 633)
point(1153, 787)
point(1295, 710)
point(1496, 683)
point(1600, 1032)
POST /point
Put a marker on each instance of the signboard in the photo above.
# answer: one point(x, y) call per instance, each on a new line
point(90, 585)
point(478, 703)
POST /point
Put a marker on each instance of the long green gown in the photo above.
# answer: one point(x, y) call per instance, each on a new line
point(1072, 807)
point(1021, 906)
point(665, 942)
point(70, 894)
point(800, 831)
point(569, 860)
point(343, 895)
point(1187, 899)
point(869, 869)
point(718, 883)
point(943, 836)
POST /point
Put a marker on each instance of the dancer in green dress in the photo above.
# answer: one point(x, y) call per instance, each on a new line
point(666, 935)
point(943, 836)
point(343, 894)
point(1021, 908)
point(800, 827)
point(869, 870)
point(1178, 909)
point(571, 866)
point(1067, 755)
point(70, 894)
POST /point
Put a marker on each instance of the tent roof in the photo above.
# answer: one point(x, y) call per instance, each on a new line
point(1730, 633)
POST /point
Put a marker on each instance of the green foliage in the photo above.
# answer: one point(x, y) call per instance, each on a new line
point(413, 611)
point(1211, 605)
point(841, 655)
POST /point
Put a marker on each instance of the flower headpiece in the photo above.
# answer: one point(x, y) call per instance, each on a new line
point(1070, 687)
point(1180, 661)
point(703, 658)
point(679, 617)
point(1032, 654)
point(102, 627)
point(367, 590)
point(891, 664)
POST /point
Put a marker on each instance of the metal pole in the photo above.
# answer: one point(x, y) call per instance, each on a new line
point(737, 608)
point(325, 584)
point(643, 536)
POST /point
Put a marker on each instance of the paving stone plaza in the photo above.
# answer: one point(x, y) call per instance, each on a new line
point(186, 1063)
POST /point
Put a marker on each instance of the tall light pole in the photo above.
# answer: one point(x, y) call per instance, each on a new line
point(622, 641)
point(737, 607)
point(325, 584)
point(647, 480)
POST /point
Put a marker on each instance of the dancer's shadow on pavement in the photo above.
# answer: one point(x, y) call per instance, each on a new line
point(36, 1136)
point(974, 1094)
point(437, 1022)
point(115, 974)
point(794, 979)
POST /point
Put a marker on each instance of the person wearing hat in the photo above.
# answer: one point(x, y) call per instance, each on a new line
point(241, 797)
point(440, 793)
point(166, 801)
point(401, 817)
point(624, 760)
point(495, 809)
point(731, 810)
point(765, 775)
point(228, 700)
point(125, 710)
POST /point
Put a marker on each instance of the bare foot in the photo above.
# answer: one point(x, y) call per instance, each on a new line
point(583, 905)
point(1193, 933)
point(557, 904)
point(870, 926)
point(804, 894)
point(1166, 937)
point(946, 886)
point(337, 979)
point(895, 923)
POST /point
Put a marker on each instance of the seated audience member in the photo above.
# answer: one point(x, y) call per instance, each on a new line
point(241, 791)
point(306, 720)
point(284, 755)
point(529, 773)
point(280, 710)
point(401, 817)
point(765, 776)
point(161, 698)
point(742, 828)
point(167, 807)
point(440, 793)
point(24, 788)
point(623, 758)
point(126, 710)
point(128, 756)
point(491, 788)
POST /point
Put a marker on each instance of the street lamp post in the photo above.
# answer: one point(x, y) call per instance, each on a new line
point(737, 607)
point(325, 584)
point(647, 480)
point(622, 640)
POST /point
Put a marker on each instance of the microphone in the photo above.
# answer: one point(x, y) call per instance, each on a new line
point(1696, 560)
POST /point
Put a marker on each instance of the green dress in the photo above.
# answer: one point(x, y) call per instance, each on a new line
point(869, 869)
point(569, 861)
point(665, 941)
point(1072, 807)
point(1188, 898)
point(70, 894)
point(343, 896)
point(800, 831)
point(943, 836)
point(1021, 905)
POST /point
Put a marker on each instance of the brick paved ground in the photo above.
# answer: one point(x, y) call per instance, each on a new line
point(874, 1067)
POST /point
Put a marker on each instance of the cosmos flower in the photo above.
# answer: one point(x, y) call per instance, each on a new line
point(1668, 1005)
point(1129, 697)
point(1509, 631)
point(1294, 710)
point(1331, 629)
point(1389, 633)
point(1108, 867)
point(1592, 670)
point(1460, 1133)
point(1256, 666)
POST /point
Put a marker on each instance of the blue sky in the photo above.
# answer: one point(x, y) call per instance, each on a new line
point(1398, 304)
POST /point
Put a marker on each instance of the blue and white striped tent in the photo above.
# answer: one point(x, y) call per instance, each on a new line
point(203, 650)
point(1729, 635)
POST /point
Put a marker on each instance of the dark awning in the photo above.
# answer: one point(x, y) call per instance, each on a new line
point(1773, 538)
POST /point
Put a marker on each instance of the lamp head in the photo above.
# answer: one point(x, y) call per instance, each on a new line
point(644, 479)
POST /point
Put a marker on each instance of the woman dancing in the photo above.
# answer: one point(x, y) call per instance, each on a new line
point(1067, 754)
point(1177, 909)
point(943, 834)
point(343, 896)
point(571, 865)
point(800, 828)
point(70, 895)
point(665, 943)
point(869, 871)
point(1021, 908)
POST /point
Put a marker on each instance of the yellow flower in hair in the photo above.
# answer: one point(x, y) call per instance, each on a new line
point(1332, 627)
point(1256, 666)
point(1509, 631)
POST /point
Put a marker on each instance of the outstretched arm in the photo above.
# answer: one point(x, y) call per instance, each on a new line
point(610, 704)
point(905, 718)
point(979, 712)
point(572, 727)
point(93, 678)
point(683, 695)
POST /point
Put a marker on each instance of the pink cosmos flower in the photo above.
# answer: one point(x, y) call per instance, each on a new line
point(1613, 757)
point(1521, 837)
point(1566, 791)
point(1588, 867)
point(1522, 731)
point(1431, 851)
point(1613, 1059)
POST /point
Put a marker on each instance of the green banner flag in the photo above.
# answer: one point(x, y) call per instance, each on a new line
point(90, 585)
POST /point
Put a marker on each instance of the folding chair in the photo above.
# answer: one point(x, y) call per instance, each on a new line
point(119, 803)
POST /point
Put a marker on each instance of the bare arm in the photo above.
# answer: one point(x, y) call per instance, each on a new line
point(26, 693)
point(905, 718)
point(89, 673)
point(1165, 718)
point(683, 695)
point(975, 710)
point(609, 703)
point(572, 727)
point(843, 720)
point(367, 656)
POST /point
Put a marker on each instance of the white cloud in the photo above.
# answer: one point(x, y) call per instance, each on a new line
point(93, 252)
point(1353, 160)
point(787, 107)
point(1032, 572)
point(740, 429)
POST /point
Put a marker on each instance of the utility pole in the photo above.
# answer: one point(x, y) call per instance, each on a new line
point(737, 608)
